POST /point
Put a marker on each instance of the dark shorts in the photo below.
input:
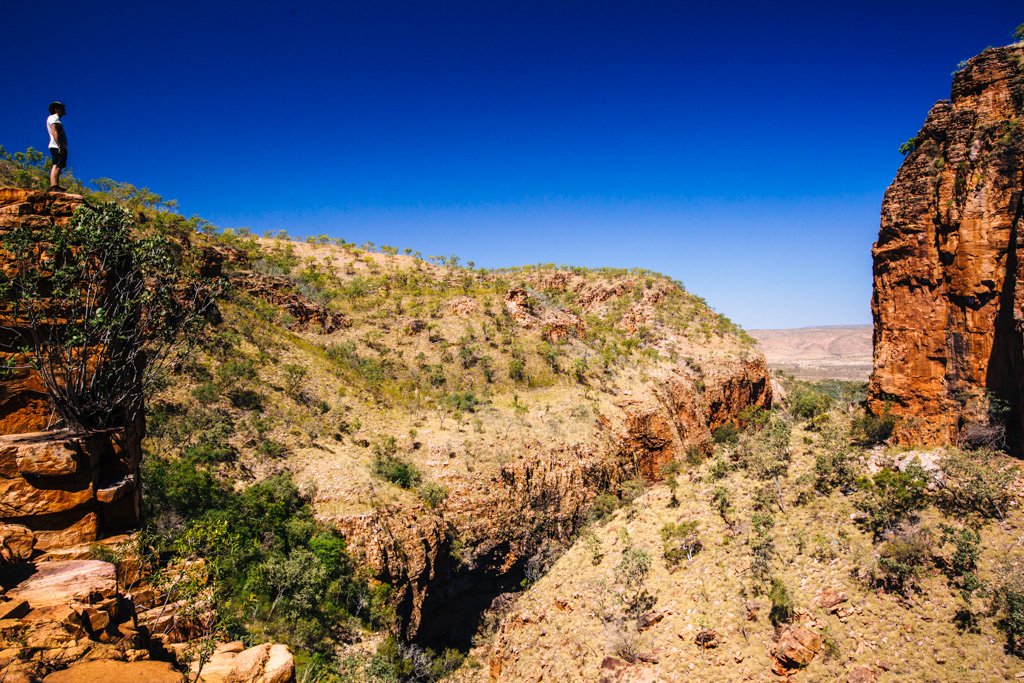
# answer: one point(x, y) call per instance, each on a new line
point(60, 157)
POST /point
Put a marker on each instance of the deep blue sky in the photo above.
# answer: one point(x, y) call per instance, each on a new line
point(742, 148)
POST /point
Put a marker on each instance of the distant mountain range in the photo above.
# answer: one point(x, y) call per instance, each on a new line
point(833, 352)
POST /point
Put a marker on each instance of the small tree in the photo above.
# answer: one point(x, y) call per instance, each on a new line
point(1018, 33)
point(891, 496)
point(102, 310)
point(680, 541)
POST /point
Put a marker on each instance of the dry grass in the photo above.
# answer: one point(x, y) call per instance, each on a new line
point(564, 625)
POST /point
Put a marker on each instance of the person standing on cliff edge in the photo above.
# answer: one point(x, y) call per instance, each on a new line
point(58, 144)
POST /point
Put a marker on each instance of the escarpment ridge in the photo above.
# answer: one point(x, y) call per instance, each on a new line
point(948, 301)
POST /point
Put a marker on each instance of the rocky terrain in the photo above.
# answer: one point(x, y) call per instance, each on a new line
point(66, 496)
point(834, 352)
point(523, 396)
point(947, 301)
point(456, 426)
point(814, 544)
point(367, 465)
point(709, 617)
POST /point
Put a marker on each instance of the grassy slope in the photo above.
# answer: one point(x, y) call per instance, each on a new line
point(564, 625)
point(330, 400)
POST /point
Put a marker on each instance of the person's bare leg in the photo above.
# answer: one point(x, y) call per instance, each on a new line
point(54, 176)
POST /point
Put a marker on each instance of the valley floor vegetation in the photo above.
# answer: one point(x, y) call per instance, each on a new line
point(802, 516)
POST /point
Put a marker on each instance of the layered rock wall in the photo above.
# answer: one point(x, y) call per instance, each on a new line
point(948, 290)
point(57, 489)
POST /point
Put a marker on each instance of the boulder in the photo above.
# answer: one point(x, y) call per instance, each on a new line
point(46, 454)
point(109, 671)
point(830, 599)
point(706, 639)
point(16, 543)
point(266, 663)
point(31, 495)
point(64, 529)
point(58, 585)
point(795, 650)
point(861, 674)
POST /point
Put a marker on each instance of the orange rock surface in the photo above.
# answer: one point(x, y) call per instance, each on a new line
point(64, 488)
point(948, 295)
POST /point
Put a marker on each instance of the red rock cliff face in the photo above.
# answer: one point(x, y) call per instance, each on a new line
point(948, 290)
point(56, 489)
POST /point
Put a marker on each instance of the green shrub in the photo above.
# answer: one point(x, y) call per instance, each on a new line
point(433, 494)
point(1008, 606)
point(723, 502)
point(719, 468)
point(231, 372)
point(212, 445)
point(294, 375)
point(727, 433)
point(762, 545)
point(909, 146)
point(272, 449)
point(977, 482)
point(834, 469)
point(397, 470)
point(680, 541)
point(397, 662)
point(806, 403)
point(206, 393)
point(177, 487)
point(462, 401)
point(868, 429)
point(782, 603)
point(962, 570)
point(631, 489)
point(603, 506)
point(517, 370)
point(1018, 33)
point(273, 570)
point(670, 472)
point(902, 559)
point(245, 399)
point(631, 573)
point(890, 496)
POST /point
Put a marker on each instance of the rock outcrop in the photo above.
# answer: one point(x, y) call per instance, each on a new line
point(65, 488)
point(948, 289)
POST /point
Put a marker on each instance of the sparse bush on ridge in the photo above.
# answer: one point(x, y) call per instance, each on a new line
point(680, 541)
point(868, 429)
point(782, 603)
point(977, 482)
point(891, 496)
point(902, 559)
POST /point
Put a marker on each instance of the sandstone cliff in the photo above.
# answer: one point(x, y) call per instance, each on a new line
point(948, 290)
point(64, 489)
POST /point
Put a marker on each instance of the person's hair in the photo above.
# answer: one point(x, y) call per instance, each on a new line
point(55, 107)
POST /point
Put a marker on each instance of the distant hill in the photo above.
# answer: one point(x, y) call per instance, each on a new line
point(832, 352)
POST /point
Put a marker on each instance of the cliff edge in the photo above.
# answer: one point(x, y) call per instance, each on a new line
point(948, 296)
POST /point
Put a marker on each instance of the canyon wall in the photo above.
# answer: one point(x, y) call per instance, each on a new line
point(57, 489)
point(948, 296)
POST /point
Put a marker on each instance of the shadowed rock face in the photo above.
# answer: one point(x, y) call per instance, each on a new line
point(948, 295)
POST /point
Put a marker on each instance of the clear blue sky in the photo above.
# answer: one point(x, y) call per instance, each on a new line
point(742, 148)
